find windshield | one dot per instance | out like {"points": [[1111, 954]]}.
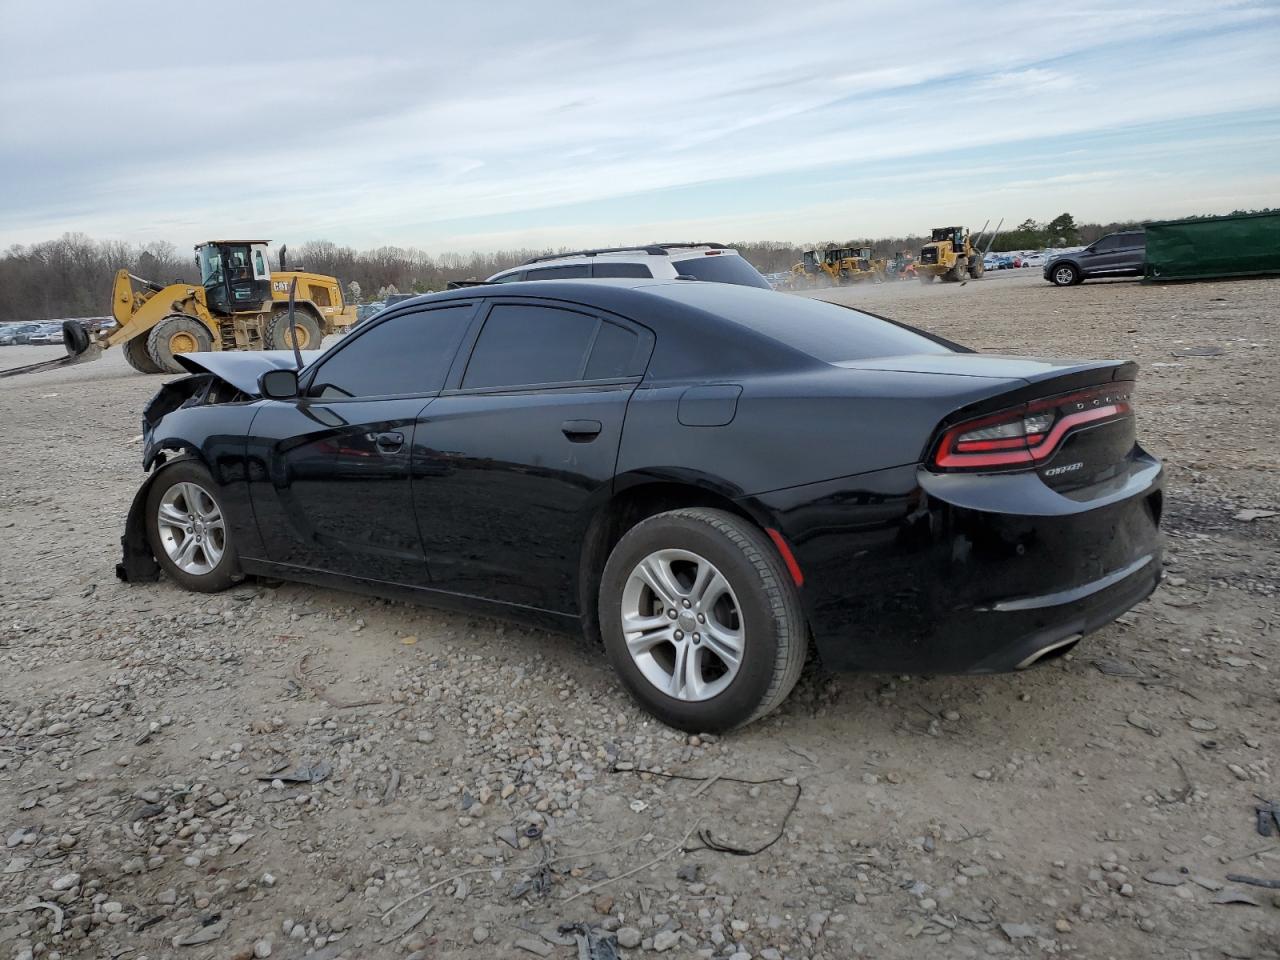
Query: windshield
{"points": [[210, 261], [722, 269]]}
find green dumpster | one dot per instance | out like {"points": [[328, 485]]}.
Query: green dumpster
{"points": [[1240, 245]]}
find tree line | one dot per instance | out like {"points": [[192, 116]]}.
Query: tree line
{"points": [[72, 275]]}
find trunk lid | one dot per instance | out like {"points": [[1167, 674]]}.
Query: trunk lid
{"points": [[1069, 421]]}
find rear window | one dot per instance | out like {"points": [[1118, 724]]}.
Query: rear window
{"points": [[825, 331], [720, 268]]}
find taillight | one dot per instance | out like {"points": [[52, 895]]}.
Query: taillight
{"points": [[1030, 432]]}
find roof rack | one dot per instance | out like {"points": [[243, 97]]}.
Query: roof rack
{"points": [[652, 250], [713, 246]]}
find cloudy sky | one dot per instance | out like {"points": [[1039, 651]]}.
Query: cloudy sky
{"points": [[480, 126]]}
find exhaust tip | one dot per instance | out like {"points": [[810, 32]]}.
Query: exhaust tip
{"points": [[1055, 649]]}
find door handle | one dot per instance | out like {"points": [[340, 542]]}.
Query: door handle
{"points": [[388, 442], [581, 431]]}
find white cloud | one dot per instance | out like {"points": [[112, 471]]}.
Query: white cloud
{"points": [[391, 123]]}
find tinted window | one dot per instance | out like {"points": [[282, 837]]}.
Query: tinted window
{"points": [[529, 344], [406, 354], [822, 330], [614, 353], [1130, 241], [1107, 244], [510, 277], [621, 270], [721, 269], [574, 271]]}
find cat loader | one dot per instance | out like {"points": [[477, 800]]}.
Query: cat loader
{"points": [[952, 254], [238, 304]]}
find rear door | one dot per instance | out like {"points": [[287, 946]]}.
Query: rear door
{"points": [[333, 492], [509, 464]]}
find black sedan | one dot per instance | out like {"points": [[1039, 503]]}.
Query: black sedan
{"points": [[703, 476]]}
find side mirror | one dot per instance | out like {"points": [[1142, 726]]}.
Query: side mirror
{"points": [[279, 384]]}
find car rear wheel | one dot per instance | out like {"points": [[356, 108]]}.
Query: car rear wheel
{"points": [[187, 529], [1064, 275], [176, 335], [701, 619]]}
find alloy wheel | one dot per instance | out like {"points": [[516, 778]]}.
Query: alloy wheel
{"points": [[1064, 275], [683, 625], [191, 528]]}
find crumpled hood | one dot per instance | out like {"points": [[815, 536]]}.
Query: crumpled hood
{"points": [[242, 369]]}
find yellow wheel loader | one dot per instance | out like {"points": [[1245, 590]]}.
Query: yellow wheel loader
{"points": [[239, 304], [953, 254], [807, 272]]}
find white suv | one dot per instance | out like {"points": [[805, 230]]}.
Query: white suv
{"points": [[663, 261]]}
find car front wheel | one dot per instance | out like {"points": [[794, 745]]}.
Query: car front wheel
{"points": [[1064, 275], [702, 620], [188, 531]]}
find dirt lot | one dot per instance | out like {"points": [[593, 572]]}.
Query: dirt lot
{"points": [[152, 741]]}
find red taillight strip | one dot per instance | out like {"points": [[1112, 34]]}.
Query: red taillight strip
{"points": [[1024, 454], [793, 568]]}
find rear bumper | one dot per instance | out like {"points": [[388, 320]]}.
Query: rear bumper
{"points": [[910, 572]]}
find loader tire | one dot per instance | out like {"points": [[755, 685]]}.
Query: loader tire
{"points": [[959, 271], [135, 354], [175, 335], [977, 269], [277, 335]]}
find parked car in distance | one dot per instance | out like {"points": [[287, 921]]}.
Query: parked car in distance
{"points": [[20, 333], [47, 334], [664, 261], [1034, 260], [702, 475], [1115, 255]]}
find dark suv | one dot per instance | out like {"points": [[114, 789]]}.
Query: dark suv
{"points": [[1115, 255]]}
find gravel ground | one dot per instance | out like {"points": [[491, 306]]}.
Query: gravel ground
{"points": [[286, 771]]}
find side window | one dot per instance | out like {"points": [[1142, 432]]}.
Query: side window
{"points": [[613, 355], [514, 277], [574, 271], [1107, 244], [621, 270], [527, 344], [407, 354]]}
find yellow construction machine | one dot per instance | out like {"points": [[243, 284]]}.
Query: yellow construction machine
{"points": [[840, 265], [953, 254], [239, 304]]}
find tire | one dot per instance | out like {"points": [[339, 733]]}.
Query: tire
{"points": [[135, 354], [756, 615], [175, 335], [1064, 275], [958, 272], [977, 269], [277, 335], [186, 489]]}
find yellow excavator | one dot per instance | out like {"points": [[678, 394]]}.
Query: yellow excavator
{"points": [[239, 304]]}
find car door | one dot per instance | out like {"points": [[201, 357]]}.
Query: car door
{"points": [[1102, 258], [333, 490], [510, 463], [1132, 254]]}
